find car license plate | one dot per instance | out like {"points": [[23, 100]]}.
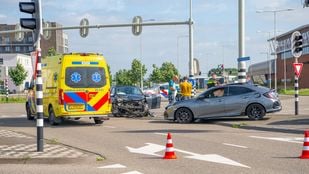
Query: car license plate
{"points": [[76, 107]]}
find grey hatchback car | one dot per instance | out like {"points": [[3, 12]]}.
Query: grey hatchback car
{"points": [[225, 101]]}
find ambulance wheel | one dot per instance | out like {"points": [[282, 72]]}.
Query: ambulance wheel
{"points": [[97, 120], [53, 120]]}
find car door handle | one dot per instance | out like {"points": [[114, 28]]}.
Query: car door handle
{"points": [[245, 97]]}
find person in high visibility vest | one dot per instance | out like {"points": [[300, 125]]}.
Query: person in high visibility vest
{"points": [[185, 88], [212, 81]]}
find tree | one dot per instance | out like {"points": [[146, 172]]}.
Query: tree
{"points": [[219, 71], [123, 77], [164, 73], [136, 71], [155, 76], [51, 52], [110, 74], [18, 74]]}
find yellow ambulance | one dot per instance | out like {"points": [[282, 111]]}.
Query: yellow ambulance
{"points": [[75, 86]]}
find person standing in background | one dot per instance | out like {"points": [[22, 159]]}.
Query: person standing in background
{"points": [[172, 89], [185, 88], [212, 81]]}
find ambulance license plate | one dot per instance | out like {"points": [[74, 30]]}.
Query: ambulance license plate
{"points": [[76, 107]]}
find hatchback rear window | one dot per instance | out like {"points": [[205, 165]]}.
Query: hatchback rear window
{"points": [[85, 77]]}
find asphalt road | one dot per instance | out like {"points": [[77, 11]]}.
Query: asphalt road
{"points": [[202, 147]]}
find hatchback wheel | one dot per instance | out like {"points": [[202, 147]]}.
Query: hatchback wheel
{"points": [[184, 115], [255, 112]]}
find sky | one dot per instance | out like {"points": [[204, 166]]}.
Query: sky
{"points": [[215, 29]]}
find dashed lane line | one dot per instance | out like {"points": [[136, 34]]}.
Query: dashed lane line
{"points": [[113, 166], [234, 145], [133, 172]]}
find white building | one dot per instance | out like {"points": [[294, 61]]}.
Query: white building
{"points": [[8, 61]]}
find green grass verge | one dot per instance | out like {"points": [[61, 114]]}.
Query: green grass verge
{"points": [[302, 92], [13, 100]]}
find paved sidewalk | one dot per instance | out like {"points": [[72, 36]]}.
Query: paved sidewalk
{"points": [[17, 147]]}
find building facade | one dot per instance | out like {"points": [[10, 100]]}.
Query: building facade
{"points": [[57, 41], [285, 60], [263, 72], [8, 61]]}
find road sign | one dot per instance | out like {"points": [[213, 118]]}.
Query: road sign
{"points": [[19, 36], [47, 33], [243, 59], [296, 44], [137, 28], [85, 30], [298, 68]]}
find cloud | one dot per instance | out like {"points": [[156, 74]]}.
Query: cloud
{"points": [[2, 16], [268, 5]]}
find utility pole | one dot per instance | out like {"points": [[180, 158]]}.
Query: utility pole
{"points": [[190, 42], [241, 41]]}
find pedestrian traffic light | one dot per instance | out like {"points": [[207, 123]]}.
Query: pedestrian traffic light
{"points": [[33, 23], [297, 44]]}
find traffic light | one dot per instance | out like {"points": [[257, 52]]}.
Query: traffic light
{"points": [[35, 22], [297, 44], [306, 3]]}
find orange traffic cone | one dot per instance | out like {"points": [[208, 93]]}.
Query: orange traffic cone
{"points": [[169, 151], [305, 154]]}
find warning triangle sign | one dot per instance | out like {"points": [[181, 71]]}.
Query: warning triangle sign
{"points": [[298, 68]]}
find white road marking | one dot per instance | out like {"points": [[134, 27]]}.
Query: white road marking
{"points": [[133, 172], [114, 166], [234, 145], [290, 140], [12, 116], [149, 149], [217, 159], [158, 133], [111, 127], [152, 149]]}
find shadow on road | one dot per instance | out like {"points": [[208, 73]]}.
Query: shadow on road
{"points": [[23, 122], [182, 131], [291, 122]]}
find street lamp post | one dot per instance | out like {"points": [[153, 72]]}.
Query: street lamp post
{"points": [[179, 37], [141, 54], [275, 36], [269, 67], [268, 52]]}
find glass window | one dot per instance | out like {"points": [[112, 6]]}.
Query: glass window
{"points": [[17, 49], [7, 40], [85, 77], [218, 92], [7, 49], [1, 61], [31, 48], [30, 39], [129, 90], [238, 90]]}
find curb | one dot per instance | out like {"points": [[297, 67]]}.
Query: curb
{"points": [[262, 128]]}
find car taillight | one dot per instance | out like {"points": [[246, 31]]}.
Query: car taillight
{"points": [[270, 94], [61, 97]]}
